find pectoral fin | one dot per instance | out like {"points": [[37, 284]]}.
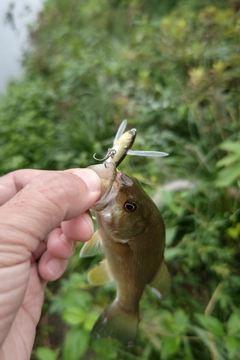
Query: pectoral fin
{"points": [[93, 246], [161, 282], [100, 274]]}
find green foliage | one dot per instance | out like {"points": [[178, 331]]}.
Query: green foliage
{"points": [[42, 353], [75, 344], [231, 163], [173, 71]]}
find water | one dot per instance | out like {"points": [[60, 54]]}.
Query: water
{"points": [[14, 18]]}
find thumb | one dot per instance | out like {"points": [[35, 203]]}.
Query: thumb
{"points": [[41, 206]]}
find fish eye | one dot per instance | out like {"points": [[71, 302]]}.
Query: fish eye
{"points": [[130, 206]]}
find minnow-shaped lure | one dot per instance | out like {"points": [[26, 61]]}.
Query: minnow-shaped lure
{"points": [[122, 144]]}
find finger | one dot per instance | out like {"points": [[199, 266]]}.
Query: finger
{"points": [[59, 245], [13, 182], [42, 205], [51, 268], [40, 250], [78, 229]]}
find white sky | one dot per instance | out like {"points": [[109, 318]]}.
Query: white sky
{"points": [[13, 41]]}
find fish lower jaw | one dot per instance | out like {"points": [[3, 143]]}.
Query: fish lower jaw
{"points": [[122, 241]]}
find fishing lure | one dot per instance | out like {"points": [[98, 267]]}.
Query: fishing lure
{"points": [[122, 144]]}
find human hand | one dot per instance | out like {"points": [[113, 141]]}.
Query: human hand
{"points": [[42, 215]]}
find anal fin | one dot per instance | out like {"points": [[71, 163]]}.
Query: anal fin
{"points": [[161, 282]]}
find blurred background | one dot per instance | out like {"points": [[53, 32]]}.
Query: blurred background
{"points": [[14, 18], [173, 70]]}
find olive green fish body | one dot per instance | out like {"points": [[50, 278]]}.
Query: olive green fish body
{"points": [[132, 234], [130, 244]]}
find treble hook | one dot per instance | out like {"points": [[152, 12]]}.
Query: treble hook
{"points": [[111, 152]]}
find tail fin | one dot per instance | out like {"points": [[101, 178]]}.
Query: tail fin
{"points": [[117, 323]]}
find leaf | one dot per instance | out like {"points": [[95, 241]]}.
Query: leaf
{"points": [[228, 160], [170, 235], [74, 316], [181, 321], [234, 232], [169, 346], [171, 253], [75, 344], [233, 347], [228, 175], [233, 324], [44, 353], [211, 324], [231, 146]]}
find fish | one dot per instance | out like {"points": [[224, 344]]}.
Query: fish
{"points": [[131, 234]]}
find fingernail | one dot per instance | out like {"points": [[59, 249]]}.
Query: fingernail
{"points": [[90, 178], [54, 266], [89, 221], [70, 243]]}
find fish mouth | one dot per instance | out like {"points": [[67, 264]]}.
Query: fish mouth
{"points": [[101, 170], [112, 193], [107, 195], [105, 173]]}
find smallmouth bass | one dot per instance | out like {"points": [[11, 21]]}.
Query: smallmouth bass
{"points": [[131, 232]]}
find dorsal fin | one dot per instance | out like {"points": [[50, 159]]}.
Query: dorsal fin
{"points": [[93, 246]]}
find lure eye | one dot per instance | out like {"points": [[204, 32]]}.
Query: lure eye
{"points": [[130, 206]]}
